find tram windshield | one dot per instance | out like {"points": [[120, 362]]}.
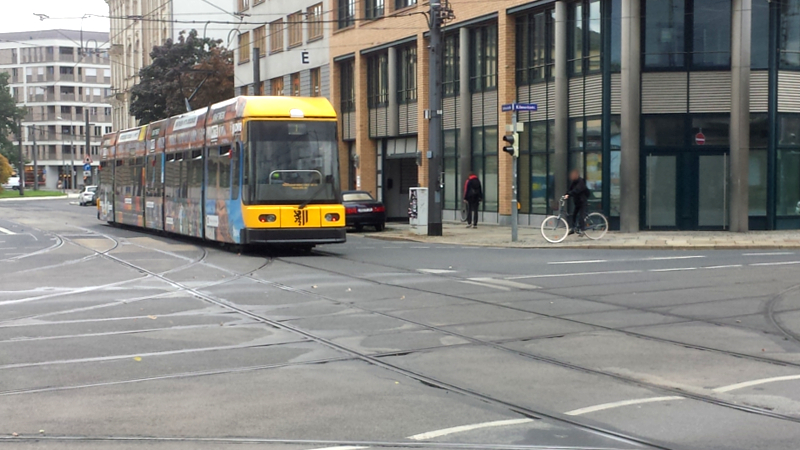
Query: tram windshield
{"points": [[294, 162]]}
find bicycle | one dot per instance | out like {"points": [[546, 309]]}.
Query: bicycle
{"points": [[556, 228]]}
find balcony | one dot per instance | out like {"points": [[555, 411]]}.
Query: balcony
{"points": [[66, 77], [67, 97], [66, 58]]}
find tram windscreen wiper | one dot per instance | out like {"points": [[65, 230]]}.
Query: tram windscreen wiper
{"points": [[313, 196]]}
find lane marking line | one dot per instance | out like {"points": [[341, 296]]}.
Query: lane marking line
{"points": [[463, 428], [668, 258], [675, 269], [557, 275], [591, 261], [493, 286], [6, 231], [744, 384], [436, 271], [768, 254], [605, 406], [343, 447], [783, 263], [505, 283], [730, 266]]}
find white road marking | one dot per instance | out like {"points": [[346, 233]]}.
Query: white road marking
{"points": [[6, 231], [768, 254], [591, 261], [557, 275], [676, 269], [505, 283], [784, 263], [436, 271], [493, 286], [463, 428], [419, 247], [733, 387], [731, 266], [343, 447], [612, 405], [668, 258]]}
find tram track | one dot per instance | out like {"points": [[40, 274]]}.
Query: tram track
{"points": [[379, 362]]}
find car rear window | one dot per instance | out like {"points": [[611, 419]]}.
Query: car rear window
{"points": [[357, 197]]}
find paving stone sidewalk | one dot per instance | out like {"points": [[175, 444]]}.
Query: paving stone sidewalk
{"points": [[497, 236]]}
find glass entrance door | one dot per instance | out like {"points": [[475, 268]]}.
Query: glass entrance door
{"points": [[686, 191]]}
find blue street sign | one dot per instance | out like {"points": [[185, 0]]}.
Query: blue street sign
{"points": [[87, 167], [531, 107]]}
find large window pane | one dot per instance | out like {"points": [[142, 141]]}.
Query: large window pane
{"points": [[790, 34], [789, 130], [595, 41], [490, 183], [759, 51], [576, 38], [616, 189], [452, 190], [594, 178], [539, 184], [664, 131], [616, 35], [788, 183], [525, 183], [576, 133], [757, 182], [594, 134], [491, 144], [664, 32], [712, 33], [716, 129]]}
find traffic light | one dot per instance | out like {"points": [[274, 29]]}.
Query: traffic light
{"points": [[513, 144]]}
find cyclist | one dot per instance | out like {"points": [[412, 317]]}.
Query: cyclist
{"points": [[580, 197]]}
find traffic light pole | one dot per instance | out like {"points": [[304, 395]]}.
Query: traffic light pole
{"points": [[434, 116], [514, 194]]}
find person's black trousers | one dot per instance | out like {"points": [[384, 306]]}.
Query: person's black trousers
{"points": [[472, 214], [579, 217]]}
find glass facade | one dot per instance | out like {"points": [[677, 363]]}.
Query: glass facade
{"points": [[483, 56], [484, 164], [789, 40]]}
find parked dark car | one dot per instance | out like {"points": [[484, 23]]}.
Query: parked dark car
{"points": [[361, 210]]}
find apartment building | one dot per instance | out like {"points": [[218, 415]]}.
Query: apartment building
{"points": [[139, 25], [58, 80], [293, 40], [680, 114]]}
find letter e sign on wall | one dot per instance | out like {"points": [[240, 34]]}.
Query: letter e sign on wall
{"points": [[305, 57]]}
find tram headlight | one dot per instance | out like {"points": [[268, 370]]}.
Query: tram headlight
{"points": [[267, 218], [332, 217]]}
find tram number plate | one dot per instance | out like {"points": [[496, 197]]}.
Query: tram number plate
{"points": [[364, 210]]}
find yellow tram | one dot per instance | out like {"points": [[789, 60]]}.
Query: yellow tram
{"points": [[250, 170]]}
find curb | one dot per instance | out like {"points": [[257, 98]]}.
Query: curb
{"points": [[19, 199]]}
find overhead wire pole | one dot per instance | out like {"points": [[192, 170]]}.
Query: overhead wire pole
{"points": [[434, 116], [21, 162]]}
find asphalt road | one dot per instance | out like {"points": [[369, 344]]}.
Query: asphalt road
{"points": [[114, 338]]}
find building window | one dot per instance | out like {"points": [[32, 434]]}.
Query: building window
{"points": [[663, 33], [407, 84], [295, 29], [378, 80], [316, 82], [295, 80], [276, 86], [707, 24], [244, 47], [452, 74], [616, 35], [347, 85], [400, 4], [374, 9], [759, 42], [535, 47], [485, 164], [585, 38], [276, 36], [790, 34], [537, 145], [788, 176], [260, 39], [243, 5], [315, 29], [346, 13], [483, 64]]}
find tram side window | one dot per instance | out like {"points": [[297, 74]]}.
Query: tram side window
{"points": [[212, 182], [235, 173], [224, 162], [138, 171]]}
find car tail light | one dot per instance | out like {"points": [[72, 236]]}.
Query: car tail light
{"points": [[350, 210], [379, 209], [332, 217], [267, 218]]}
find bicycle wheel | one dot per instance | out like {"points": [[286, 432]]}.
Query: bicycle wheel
{"points": [[555, 229], [464, 210], [596, 226]]}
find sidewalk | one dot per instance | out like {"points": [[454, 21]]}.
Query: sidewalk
{"points": [[497, 236]]}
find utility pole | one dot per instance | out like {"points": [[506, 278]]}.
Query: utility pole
{"points": [[21, 170], [32, 130], [87, 149], [434, 115], [257, 71]]}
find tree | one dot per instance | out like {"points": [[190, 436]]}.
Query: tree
{"points": [[10, 116], [5, 171], [178, 69]]}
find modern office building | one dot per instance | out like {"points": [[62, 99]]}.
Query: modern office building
{"points": [[293, 41], [680, 114], [59, 75], [138, 26]]}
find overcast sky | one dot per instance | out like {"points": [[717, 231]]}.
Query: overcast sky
{"points": [[18, 15]]}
